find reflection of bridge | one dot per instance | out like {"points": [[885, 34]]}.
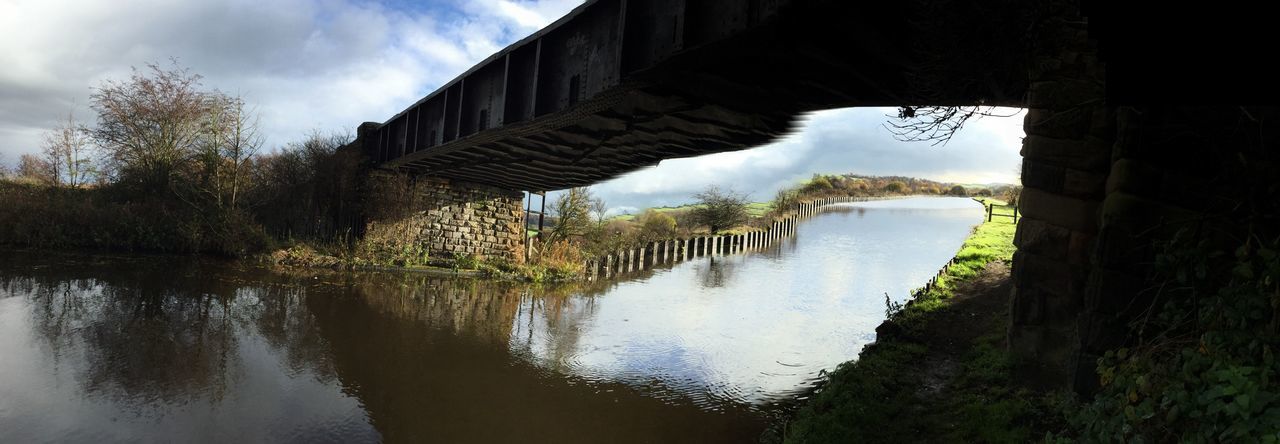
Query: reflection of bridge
{"points": [[617, 85]]}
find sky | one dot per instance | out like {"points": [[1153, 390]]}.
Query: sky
{"points": [[329, 65]]}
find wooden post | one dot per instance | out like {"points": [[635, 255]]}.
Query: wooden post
{"points": [[990, 208], [1015, 214]]}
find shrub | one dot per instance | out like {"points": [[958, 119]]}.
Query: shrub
{"points": [[656, 226], [562, 261], [1204, 366], [785, 200], [818, 184]]}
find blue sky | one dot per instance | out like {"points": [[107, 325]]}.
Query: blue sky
{"points": [[332, 64]]}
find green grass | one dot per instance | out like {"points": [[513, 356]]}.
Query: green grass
{"points": [[876, 398], [990, 241], [758, 209]]}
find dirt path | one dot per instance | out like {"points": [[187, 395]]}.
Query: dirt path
{"points": [[978, 309]]}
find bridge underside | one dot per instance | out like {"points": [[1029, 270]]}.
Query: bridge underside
{"points": [[620, 85]]}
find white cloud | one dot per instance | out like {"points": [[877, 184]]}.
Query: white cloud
{"points": [[305, 64]]}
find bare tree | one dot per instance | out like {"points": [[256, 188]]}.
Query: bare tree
{"points": [[32, 167], [935, 124], [241, 143], [600, 209], [66, 151], [228, 141], [151, 124], [573, 214], [720, 209]]}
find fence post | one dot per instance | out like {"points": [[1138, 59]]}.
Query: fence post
{"points": [[990, 207], [1015, 214]]}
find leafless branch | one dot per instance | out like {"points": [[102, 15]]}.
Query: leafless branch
{"points": [[935, 124]]}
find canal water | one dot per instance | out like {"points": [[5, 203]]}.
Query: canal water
{"points": [[128, 348]]}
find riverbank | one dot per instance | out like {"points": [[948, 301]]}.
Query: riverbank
{"points": [[938, 371]]}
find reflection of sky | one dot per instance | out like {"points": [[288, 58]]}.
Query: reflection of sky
{"points": [[775, 320]]}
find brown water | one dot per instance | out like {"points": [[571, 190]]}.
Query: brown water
{"points": [[126, 348]]}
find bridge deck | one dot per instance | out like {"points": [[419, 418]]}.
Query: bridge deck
{"points": [[618, 85]]}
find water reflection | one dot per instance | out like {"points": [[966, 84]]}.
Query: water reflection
{"points": [[162, 349], [151, 349]]}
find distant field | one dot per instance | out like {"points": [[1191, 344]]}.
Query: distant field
{"points": [[755, 209]]}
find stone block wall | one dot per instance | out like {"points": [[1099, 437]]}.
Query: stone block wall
{"points": [[1066, 162], [1104, 186], [442, 217]]}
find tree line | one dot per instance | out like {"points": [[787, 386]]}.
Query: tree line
{"points": [[187, 163]]}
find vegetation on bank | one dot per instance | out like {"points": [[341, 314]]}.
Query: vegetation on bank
{"points": [[578, 217], [990, 241], [891, 392], [1198, 363], [169, 166]]}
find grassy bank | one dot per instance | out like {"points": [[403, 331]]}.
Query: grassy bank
{"points": [[938, 371]]}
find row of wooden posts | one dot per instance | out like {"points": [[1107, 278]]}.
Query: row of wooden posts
{"points": [[678, 250], [933, 282]]}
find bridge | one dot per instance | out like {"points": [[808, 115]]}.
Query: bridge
{"points": [[617, 85]]}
